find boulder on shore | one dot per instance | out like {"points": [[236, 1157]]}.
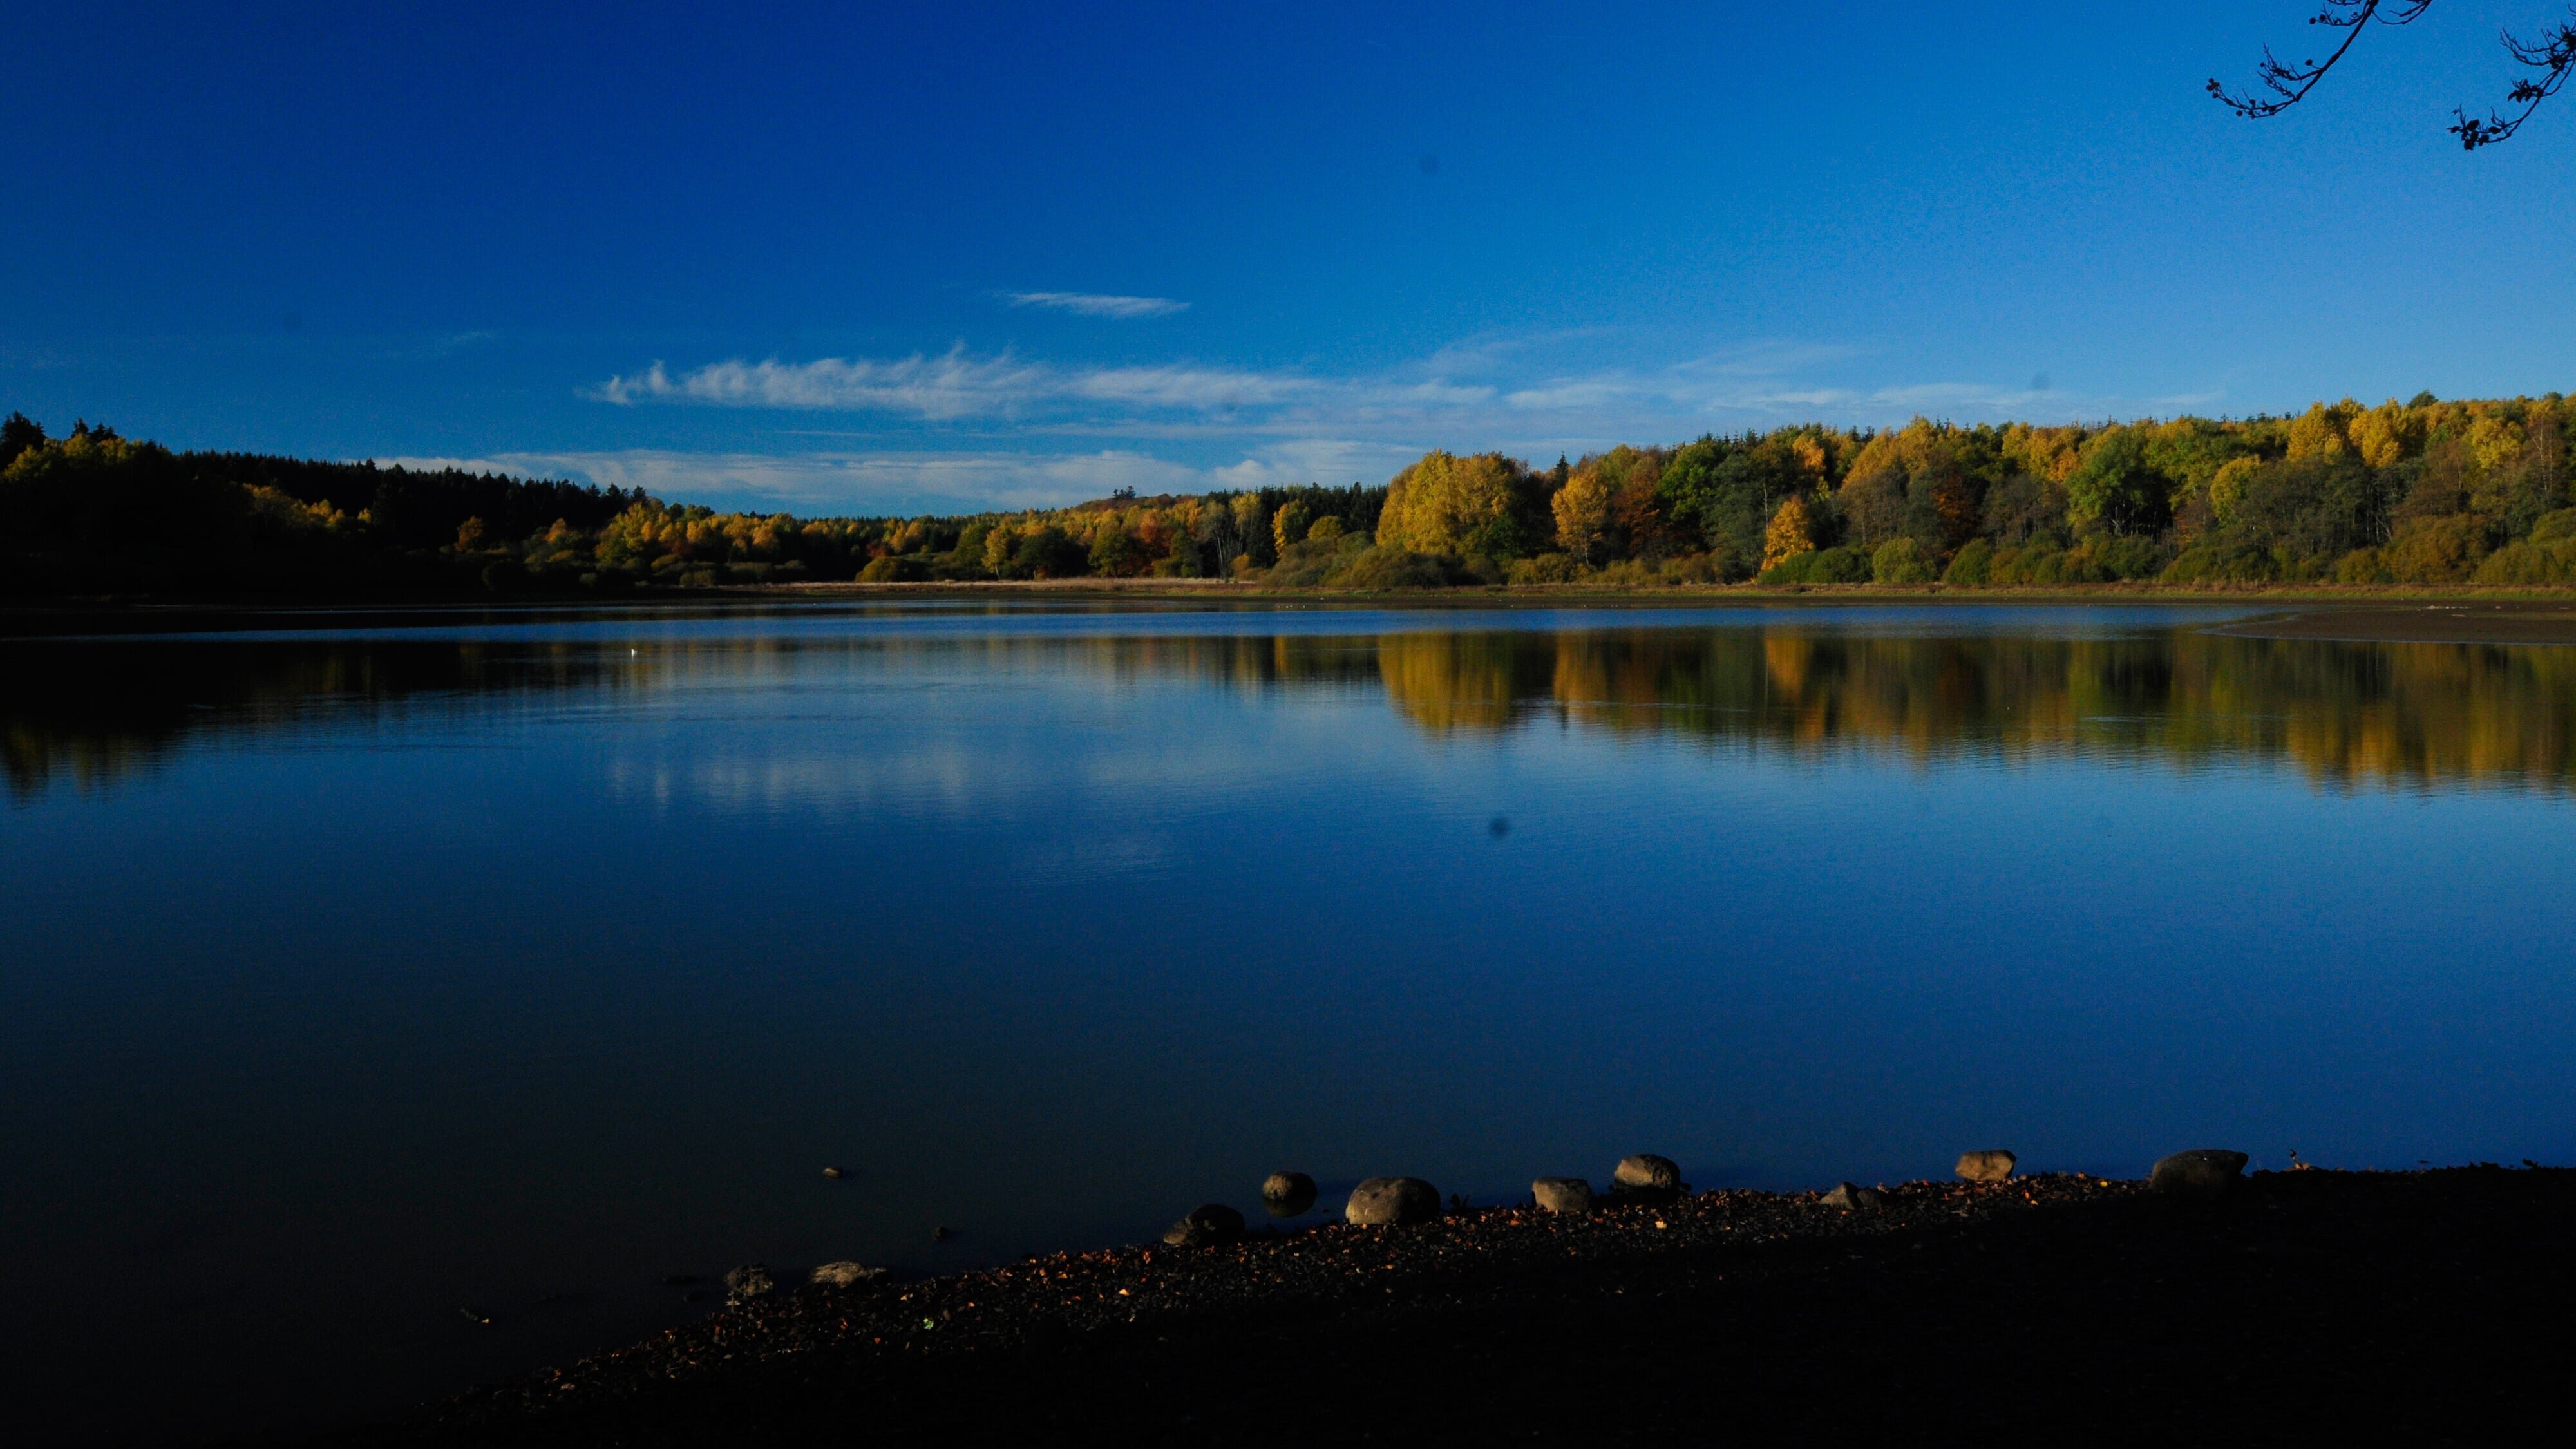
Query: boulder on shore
{"points": [[1646, 1173], [1563, 1194], [1992, 1165], [1287, 1194], [1208, 1224], [2201, 1172], [1384, 1200], [1851, 1197], [749, 1281], [845, 1275]]}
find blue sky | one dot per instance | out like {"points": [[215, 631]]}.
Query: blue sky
{"points": [[880, 259]]}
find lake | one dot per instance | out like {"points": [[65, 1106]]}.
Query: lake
{"points": [[367, 978]]}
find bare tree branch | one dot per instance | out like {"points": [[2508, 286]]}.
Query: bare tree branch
{"points": [[2290, 84], [2551, 59]]}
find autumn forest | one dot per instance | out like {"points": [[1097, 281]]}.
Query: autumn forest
{"points": [[2425, 492]]}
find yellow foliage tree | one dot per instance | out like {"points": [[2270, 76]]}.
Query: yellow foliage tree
{"points": [[1288, 525], [1810, 453], [999, 545], [2386, 433], [2322, 433], [1582, 509], [1246, 508], [1442, 501], [2228, 487], [2046, 453], [1907, 450], [1792, 532], [2495, 441]]}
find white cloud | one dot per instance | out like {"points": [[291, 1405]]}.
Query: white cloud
{"points": [[1045, 432], [904, 483], [1185, 387], [948, 386], [954, 384], [1094, 304]]}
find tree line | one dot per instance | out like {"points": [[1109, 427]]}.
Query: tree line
{"points": [[2419, 492], [94, 512]]}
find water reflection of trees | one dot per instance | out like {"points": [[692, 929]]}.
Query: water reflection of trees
{"points": [[91, 712], [2420, 713], [2423, 713]]}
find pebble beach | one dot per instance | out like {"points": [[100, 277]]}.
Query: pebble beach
{"points": [[1930, 1308]]}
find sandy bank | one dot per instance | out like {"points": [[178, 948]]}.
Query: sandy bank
{"points": [[2463, 622]]}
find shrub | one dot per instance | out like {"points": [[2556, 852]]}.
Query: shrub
{"points": [[1820, 566], [1547, 568], [1388, 568], [1790, 570], [1969, 566], [1697, 568], [2555, 526], [2222, 563], [1900, 561], [1841, 566], [2553, 562], [894, 570], [2126, 556], [1297, 572], [2363, 566], [1628, 573], [2436, 550], [2019, 565], [2055, 566]]}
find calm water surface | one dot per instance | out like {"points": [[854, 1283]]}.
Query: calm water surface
{"points": [[354, 977]]}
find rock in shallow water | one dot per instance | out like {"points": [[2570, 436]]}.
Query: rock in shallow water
{"points": [[1383, 1200], [845, 1275], [1991, 1165], [1563, 1194], [1851, 1197], [1287, 1194], [2201, 1172], [1646, 1173], [749, 1281], [1207, 1225]]}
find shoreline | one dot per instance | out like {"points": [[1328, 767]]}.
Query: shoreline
{"points": [[2359, 614], [1505, 1321]]}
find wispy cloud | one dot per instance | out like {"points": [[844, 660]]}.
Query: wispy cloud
{"points": [[1095, 304], [909, 482], [1050, 432], [954, 384], [951, 385]]}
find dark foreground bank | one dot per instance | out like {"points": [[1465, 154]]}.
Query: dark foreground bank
{"points": [[2430, 1306]]}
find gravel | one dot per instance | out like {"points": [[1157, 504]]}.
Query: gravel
{"points": [[2391, 1301]]}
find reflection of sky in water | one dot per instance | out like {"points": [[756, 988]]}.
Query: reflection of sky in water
{"points": [[419, 977]]}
